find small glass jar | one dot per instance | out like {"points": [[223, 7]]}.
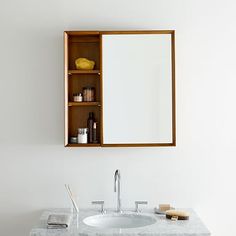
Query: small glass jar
{"points": [[73, 139], [89, 94], [83, 135], [77, 97]]}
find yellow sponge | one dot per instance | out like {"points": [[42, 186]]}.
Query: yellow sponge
{"points": [[84, 64]]}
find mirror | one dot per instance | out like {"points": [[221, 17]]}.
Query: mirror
{"points": [[138, 89]]}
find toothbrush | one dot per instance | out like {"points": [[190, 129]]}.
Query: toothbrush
{"points": [[71, 197]]}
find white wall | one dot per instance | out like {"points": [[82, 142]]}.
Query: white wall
{"points": [[198, 173]]}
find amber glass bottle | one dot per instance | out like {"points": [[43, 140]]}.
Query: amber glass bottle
{"points": [[90, 123]]}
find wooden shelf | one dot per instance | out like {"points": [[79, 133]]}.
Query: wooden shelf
{"points": [[75, 72], [70, 104], [83, 145]]}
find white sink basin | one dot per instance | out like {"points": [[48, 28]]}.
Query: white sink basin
{"points": [[119, 220]]}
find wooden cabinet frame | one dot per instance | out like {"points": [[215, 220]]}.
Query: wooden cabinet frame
{"points": [[92, 42]]}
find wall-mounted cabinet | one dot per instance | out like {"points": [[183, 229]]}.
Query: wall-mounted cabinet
{"points": [[134, 83]]}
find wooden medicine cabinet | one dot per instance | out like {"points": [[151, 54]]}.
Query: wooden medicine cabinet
{"points": [[134, 83]]}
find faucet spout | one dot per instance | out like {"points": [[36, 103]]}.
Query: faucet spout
{"points": [[117, 189]]}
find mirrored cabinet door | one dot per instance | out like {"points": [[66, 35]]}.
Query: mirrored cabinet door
{"points": [[138, 76]]}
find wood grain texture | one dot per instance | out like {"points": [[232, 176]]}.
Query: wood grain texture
{"points": [[173, 89], [78, 116], [138, 145], [70, 104], [66, 88], [75, 72], [101, 92], [81, 44], [83, 50], [82, 32], [139, 32], [78, 82], [83, 145]]}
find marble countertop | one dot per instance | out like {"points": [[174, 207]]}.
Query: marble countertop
{"points": [[162, 227]]}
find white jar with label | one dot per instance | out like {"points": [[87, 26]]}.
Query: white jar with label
{"points": [[83, 135]]}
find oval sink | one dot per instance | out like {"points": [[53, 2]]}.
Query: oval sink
{"points": [[119, 220]]}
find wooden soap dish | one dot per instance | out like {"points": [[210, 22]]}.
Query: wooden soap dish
{"points": [[177, 215]]}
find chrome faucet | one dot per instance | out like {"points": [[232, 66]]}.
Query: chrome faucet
{"points": [[117, 189]]}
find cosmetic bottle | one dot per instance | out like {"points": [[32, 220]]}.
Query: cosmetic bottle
{"points": [[80, 97], [82, 135], [90, 123], [95, 132]]}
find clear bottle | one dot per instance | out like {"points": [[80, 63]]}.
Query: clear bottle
{"points": [[80, 97], [95, 132]]}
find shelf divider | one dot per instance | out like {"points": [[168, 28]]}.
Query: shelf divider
{"points": [[76, 72], [71, 104], [83, 145]]}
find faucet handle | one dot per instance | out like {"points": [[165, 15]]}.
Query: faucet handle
{"points": [[139, 202], [100, 203]]}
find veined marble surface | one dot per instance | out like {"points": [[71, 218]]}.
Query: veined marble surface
{"points": [[162, 227]]}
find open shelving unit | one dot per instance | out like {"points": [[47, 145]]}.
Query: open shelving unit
{"points": [[82, 44]]}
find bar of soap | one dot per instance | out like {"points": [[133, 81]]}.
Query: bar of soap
{"points": [[177, 215], [164, 207]]}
